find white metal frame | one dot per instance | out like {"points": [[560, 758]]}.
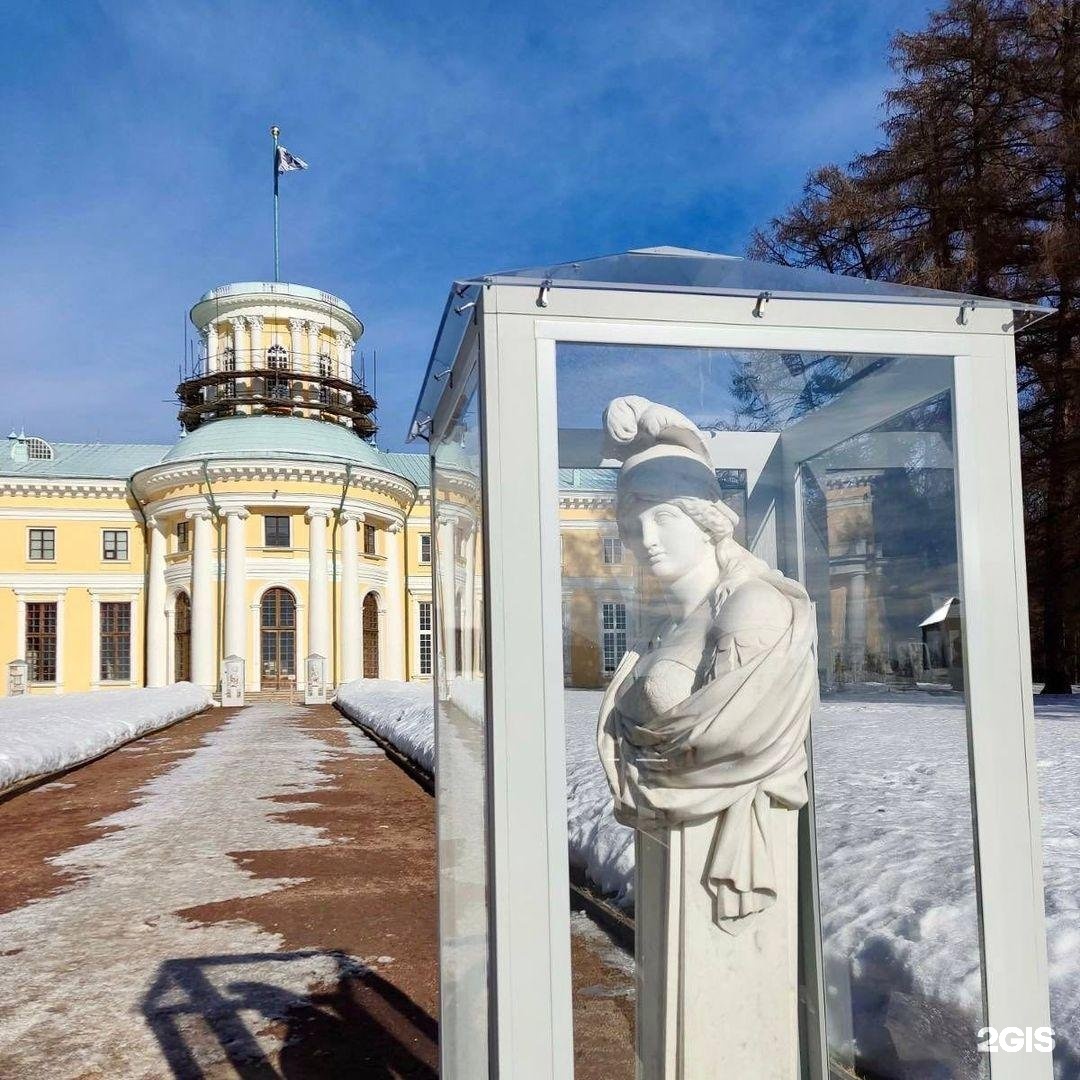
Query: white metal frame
{"points": [[527, 856]]}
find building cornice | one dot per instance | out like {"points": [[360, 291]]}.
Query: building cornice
{"points": [[62, 487], [158, 478]]}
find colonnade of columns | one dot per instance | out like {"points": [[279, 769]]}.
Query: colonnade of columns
{"points": [[203, 593], [245, 332]]}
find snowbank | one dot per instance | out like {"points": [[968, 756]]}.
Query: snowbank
{"points": [[43, 735], [401, 713], [896, 870]]}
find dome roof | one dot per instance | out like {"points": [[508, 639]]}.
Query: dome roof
{"points": [[277, 437]]}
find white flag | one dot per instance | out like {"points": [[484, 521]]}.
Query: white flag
{"points": [[287, 162]]}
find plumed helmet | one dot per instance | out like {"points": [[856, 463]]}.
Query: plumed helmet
{"points": [[664, 456]]}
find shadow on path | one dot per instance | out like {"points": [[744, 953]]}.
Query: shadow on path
{"points": [[360, 1024]]}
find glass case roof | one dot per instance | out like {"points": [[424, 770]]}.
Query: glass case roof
{"points": [[672, 269], [675, 269]]}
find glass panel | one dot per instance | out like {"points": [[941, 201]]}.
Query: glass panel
{"points": [[461, 740], [839, 470]]}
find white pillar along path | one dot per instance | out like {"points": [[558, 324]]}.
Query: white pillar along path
{"points": [[202, 602]]}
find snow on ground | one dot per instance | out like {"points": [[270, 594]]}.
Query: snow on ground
{"points": [[155, 993], [400, 712], [42, 735], [896, 875]]}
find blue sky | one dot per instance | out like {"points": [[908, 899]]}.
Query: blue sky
{"points": [[444, 141]]}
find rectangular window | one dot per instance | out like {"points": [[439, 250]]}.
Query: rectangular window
{"points": [[114, 545], [614, 630], [115, 650], [181, 536], [425, 548], [41, 642], [612, 551], [277, 531], [369, 539], [425, 637], [42, 545]]}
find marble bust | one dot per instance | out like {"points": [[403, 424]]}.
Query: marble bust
{"points": [[702, 736]]}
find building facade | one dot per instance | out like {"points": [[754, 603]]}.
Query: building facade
{"points": [[272, 530]]}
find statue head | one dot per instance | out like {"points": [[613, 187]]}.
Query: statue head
{"points": [[667, 499]]}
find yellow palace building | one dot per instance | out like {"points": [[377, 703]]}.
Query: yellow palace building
{"points": [[275, 549], [272, 530]]}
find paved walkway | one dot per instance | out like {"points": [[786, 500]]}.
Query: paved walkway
{"points": [[228, 897], [249, 893]]}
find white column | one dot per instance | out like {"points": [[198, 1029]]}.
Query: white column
{"points": [[211, 347], [352, 644], [59, 689], [342, 339], [157, 638], [313, 346], [395, 604], [318, 592], [202, 602], [95, 639], [296, 348], [241, 357], [447, 557], [235, 582], [255, 323]]}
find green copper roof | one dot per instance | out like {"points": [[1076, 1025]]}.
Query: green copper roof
{"points": [[83, 461], [276, 436]]}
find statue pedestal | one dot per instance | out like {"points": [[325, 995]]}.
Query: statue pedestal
{"points": [[714, 1005]]}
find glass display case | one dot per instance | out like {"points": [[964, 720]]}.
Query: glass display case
{"points": [[734, 723]]}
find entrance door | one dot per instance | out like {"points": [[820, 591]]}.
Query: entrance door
{"points": [[182, 639], [278, 642], [371, 637]]}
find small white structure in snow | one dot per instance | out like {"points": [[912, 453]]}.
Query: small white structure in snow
{"points": [[17, 684], [232, 682], [315, 672]]}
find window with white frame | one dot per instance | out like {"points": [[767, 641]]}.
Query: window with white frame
{"points": [[613, 630], [425, 548], [425, 642], [42, 547], [114, 545], [41, 632], [181, 536], [115, 648], [613, 551], [276, 531]]}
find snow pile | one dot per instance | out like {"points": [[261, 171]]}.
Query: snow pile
{"points": [[896, 872], [43, 735], [401, 713]]}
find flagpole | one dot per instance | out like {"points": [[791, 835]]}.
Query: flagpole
{"points": [[276, 131]]}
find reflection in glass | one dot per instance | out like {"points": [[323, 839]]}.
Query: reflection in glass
{"points": [[461, 740], [841, 470]]}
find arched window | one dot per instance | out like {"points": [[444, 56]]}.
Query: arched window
{"points": [[371, 636], [182, 638], [38, 449], [326, 369], [277, 645], [277, 386]]}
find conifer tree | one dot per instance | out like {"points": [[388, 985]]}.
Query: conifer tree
{"points": [[976, 188]]}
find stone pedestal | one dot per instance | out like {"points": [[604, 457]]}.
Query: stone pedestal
{"points": [[18, 681], [315, 692], [232, 682], [714, 1005]]}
